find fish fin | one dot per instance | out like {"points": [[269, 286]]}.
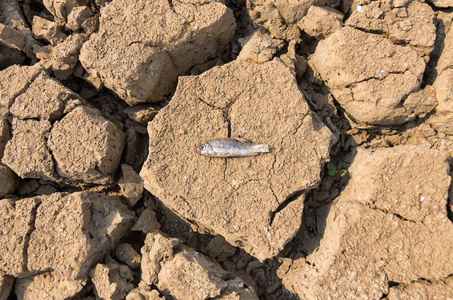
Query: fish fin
{"points": [[242, 140], [262, 148]]}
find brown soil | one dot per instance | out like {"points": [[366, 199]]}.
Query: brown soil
{"points": [[104, 196]]}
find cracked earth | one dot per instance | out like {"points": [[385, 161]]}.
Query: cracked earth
{"points": [[104, 196]]}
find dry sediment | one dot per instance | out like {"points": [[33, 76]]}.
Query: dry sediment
{"points": [[103, 194]]}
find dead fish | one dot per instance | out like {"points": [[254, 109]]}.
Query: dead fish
{"points": [[232, 147]]}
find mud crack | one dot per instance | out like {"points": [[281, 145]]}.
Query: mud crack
{"points": [[285, 203], [209, 104], [172, 7], [374, 207], [31, 228], [23, 90], [52, 157], [225, 112], [384, 34], [226, 118], [355, 83]]}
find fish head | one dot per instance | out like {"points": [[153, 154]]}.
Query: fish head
{"points": [[205, 149]]}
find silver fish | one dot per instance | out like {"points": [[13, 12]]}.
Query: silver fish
{"points": [[232, 147]]}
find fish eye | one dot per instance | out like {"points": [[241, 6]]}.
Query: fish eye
{"points": [[202, 147]]}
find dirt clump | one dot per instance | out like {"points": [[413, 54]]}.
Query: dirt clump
{"points": [[56, 233], [238, 100], [147, 222], [15, 32], [47, 30], [142, 113], [47, 286], [360, 68], [44, 143], [179, 271], [14, 81], [259, 47], [44, 99], [141, 293], [112, 280], [140, 58], [219, 248], [374, 224], [11, 37], [61, 9], [62, 58], [82, 18], [126, 253], [279, 17], [131, 184], [17, 219], [105, 218], [27, 153], [85, 157], [403, 22], [320, 22]]}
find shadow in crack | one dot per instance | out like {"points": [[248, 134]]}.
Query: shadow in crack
{"points": [[317, 207], [316, 210], [450, 196], [430, 74], [334, 178]]}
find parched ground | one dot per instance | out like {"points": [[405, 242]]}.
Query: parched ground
{"points": [[104, 196]]}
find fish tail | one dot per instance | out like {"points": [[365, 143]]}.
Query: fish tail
{"points": [[262, 148]]}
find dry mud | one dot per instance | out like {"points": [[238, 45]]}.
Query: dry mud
{"points": [[104, 196]]}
